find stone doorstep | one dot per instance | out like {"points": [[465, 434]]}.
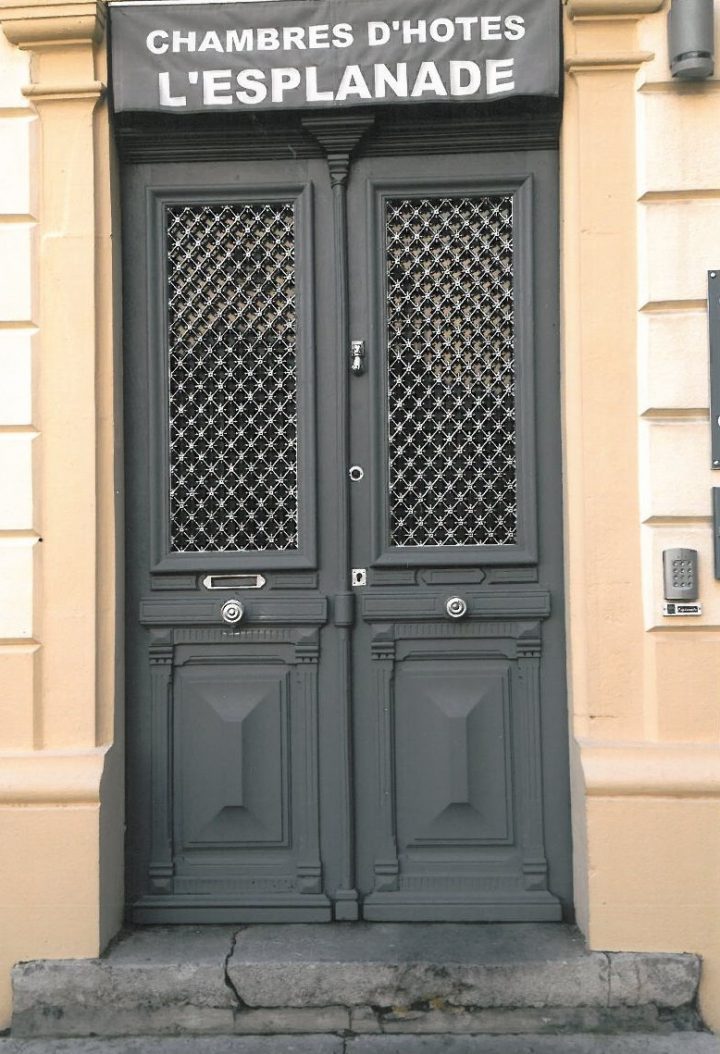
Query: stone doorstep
{"points": [[676, 1043], [355, 978]]}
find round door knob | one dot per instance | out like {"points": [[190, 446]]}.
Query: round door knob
{"points": [[456, 607], [232, 611]]}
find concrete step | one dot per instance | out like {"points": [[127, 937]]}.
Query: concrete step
{"points": [[356, 979], [677, 1043]]}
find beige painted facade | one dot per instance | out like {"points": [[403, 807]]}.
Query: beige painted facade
{"points": [[640, 169]]}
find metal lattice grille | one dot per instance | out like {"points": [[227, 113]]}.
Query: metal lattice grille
{"points": [[233, 384], [451, 380]]}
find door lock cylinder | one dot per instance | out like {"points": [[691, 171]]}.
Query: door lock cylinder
{"points": [[456, 607], [232, 611]]}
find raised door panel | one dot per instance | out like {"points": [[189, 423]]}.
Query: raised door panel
{"points": [[452, 744], [235, 782], [459, 817], [231, 748]]}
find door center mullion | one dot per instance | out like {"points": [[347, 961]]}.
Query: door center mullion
{"points": [[338, 136]]}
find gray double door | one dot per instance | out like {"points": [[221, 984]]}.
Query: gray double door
{"points": [[344, 593]]}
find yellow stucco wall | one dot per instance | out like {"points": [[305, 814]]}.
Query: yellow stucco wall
{"points": [[640, 225], [641, 220], [60, 883]]}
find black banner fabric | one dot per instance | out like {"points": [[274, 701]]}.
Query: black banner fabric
{"points": [[290, 54]]}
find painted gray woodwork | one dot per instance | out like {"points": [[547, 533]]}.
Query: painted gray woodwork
{"points": [[345, 752]]}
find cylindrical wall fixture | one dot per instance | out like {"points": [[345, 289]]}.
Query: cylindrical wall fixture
{"points": [[691, 39]]}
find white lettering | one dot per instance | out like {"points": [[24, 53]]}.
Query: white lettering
{"points": [[428, 79], [466, 22], [293, 37], [465, 77], [313, 85], [409, 31], [378, 33], [268, 39], [499, 75], [490, 27], [442, 29], [352, 82], [514, 27], [342, 35], [255, 90], [396, 82], [166, 99], [242, 41], [283, 79], [318, 36], [312, 92], [188, 41], [215, 81], [157, 48], [210, 42]]}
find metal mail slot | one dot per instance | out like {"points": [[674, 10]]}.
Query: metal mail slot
{"points": [[233, 581]]}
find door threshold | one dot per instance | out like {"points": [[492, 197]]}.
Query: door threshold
{"points": [[359, 978]]}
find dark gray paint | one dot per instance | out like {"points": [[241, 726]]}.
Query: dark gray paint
{"points": [[359, 698], [304, 556], [135, 69], [713, 299], [378, 191]]}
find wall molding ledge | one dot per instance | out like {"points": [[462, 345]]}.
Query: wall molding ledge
{"points": [[52, 777], [611, 8], [60, 92], [624, 60], [38, 23], [655, 770]]}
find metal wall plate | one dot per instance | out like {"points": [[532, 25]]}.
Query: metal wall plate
{"points": [[674, 609]]}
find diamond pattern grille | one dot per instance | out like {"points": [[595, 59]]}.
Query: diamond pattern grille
{"points": [[233, 384], [451, 378]]}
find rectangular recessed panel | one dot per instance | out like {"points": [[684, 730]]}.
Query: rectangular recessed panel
{"points": [[453, 752], [451, 371], [231, 317], [230, 756]]}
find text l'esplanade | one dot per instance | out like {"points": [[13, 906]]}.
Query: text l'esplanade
{"points": [[253, 86]]}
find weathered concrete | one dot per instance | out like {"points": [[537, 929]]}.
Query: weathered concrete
{"points": [[391, 965], [660, 979], [158, 980], [508, 1020], [316, 1044], [360, 978], [678, 1043]]}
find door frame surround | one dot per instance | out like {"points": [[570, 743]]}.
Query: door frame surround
{"points": [[337, 142]]}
